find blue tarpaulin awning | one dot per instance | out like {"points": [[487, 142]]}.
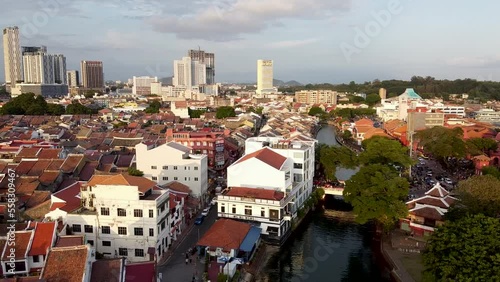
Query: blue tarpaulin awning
{"points": [[252, 237]]}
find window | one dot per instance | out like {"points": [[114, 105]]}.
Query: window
{"points": [[185, 178], [89, 228], [195, 168], [106, 243], [139, 252], [175, 167], [122, 230], [185, 168], [151, 232], [263, 212], [137, 213], [175, 177], [151, 213], [297, 165], [165, 178], [222, 209], [154, 178], [105, 230], [196, 179], [121, 212], [248, 210], [36, 258], [90, 242], [153, 167], [123, 252], [234, 209], [77, 228], [104, 211], [138, 231], [165, 167]]}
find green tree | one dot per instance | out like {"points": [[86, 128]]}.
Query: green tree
{"points": [[316, 111], [153, 108], [346, 134], [195, 113], [465, 250], [135, 172], [76, 108], [376, 193], [478, 146], [55, 109], [372, 99], [330, 157], [480, 194], [442, 142], [491, 170], [225, 112], [356, 99], [384, 151], [89, 94]]}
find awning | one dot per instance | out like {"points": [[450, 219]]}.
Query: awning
{"points": [[252, 237]]}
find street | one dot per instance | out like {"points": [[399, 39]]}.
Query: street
{"points": [[175, 268]]}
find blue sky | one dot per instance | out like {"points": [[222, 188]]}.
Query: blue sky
{"points": [[309, 40]]}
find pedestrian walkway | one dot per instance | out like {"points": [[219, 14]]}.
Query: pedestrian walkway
{"points": [[394, 257], [167, 255]]}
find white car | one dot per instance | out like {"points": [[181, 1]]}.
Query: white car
{"points": [[448, 181], [205, 211]]}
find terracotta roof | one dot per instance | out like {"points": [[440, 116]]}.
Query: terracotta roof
{"points": [[255, 193], [48, 177], [42, 241], [70, 241], [267, 156], [226, 234], [71, 163], [39, 167], [427, 212], [27, 186], [437, 191], [144, 184], [70, 196], [24, 167], [364, 122], [177, 187], [58, 268], [55, 164], [47, 153], [140, 272], [23, 239], [37, 198], [28, 152], [107, 270]]}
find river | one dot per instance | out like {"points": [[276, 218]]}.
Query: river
{"points": [[327, 248]]}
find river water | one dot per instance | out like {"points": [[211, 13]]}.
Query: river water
{"points": [[326, 247]]}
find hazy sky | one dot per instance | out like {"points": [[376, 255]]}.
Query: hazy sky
{"points": [[309, 40]]}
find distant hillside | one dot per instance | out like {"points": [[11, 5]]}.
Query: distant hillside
{"points": [[281, 83]]}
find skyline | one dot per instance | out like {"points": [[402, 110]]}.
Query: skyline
{"points": [[311, 42]]}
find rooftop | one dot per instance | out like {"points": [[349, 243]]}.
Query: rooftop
{"points": [[66, 264], [267, 156], [142, 183], [44, 233], [226, 234], [255, 193]]}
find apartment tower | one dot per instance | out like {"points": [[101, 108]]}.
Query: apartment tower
{"points": [[12, 57], [92, 74], [208, 59], [264, 76]]}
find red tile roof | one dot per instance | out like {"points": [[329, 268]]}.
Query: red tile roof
{"points": [[39, 167], [66, 264], [44, 234], [177, 187], [142, 183], [28, 152], [107, 270], [71, 163], [70, 241], [69, 196], [47, 153], [55, 164], [140, 272], [255, 193], [24, 167], [267, 156], [226, 234], [23, 239]]}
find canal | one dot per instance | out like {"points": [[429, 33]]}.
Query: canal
{"points": [[326, 247]]}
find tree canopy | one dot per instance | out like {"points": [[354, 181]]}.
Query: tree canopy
{"points": [[153, 108], [480, 194], [465, 250], [332, 157], [376, 192], [384, 151], [372, 99], [195, 113], [442, 142], [348, 113], [30, 104], [225, 112], [491, 170], [76, 108], [478, 146], [316, 111]]}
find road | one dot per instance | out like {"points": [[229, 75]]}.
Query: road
{"points": [[175, 269]]}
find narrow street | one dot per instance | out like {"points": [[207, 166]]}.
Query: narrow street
{"points": [[175, 268]]}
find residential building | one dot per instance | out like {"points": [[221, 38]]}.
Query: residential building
{"points": [[265, 77], [92, 74], [408, 100], [174, 162], [38, 66], [449, 109], [208, 59], [60, 69], [422, 118], [69, 264], [12, 57], [267, 188], [120, 215], [73, 78], [180, 109], [210, 143], [156, 88], [188, 72], [487, 115], [142, 84], [312, 97]]}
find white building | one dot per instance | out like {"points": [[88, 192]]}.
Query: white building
{"points": [[120, 215], [265, 77], [487, 115], [189, 73], [269, 184], [311, 97], [142, 84], [38, 67], [156, 88], [449, 109], [73, 78], [174, 162], [397, 107], [12, 57]]}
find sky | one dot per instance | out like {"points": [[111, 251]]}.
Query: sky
{"points": [[311, 41]]}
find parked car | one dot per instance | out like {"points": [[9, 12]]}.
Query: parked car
{"points": [[213, 202], [205, 211], [199, 220], [448, 181]]}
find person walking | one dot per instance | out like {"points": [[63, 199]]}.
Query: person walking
{"points": [[187, 261]]}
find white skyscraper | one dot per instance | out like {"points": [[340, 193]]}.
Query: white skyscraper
{"points": [[12, 56], [189, 73], [60, 69], [142, 84], [38, 66], [265, 77]]}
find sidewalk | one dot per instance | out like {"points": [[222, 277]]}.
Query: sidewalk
{"points": [[167, 255], [394, 259]]}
